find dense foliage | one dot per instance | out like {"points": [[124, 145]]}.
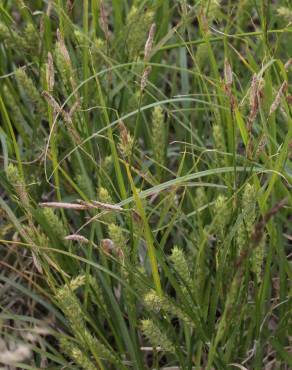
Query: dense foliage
{"points": [[145, 184]]}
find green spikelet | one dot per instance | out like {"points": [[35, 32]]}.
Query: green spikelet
{"points": [[71, 308], [106, 168], [219, 138], [257, 258], [4, 32], [222, 212], [180, 264], [104, 197], [30, 38], [202, 55], [249, 215], [212, 9], [77, 282], [200, 197], [138, 25], [285, 13], [219, 143], [83, 183], [98, 47], [97, 292], [156, 303], [30, 90], [156, 337], [55, 223], [16, 115], [18, 184], [116, 234], [76, 354], [158, 136], [63, 64]]}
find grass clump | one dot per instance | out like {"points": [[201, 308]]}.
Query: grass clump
{"points": [[145, 191]]}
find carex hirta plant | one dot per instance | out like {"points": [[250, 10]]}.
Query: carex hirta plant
{"points": [[145, 184]]}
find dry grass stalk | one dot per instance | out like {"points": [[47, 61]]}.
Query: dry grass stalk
{"points": [[81, 205]]}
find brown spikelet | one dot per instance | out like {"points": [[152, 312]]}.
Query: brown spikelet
{"points": [[69, 6], [107, 245], [255, 97], [49, 8], [228, 79], [50, 73], [288, 64], [149, 42], [124, 135], [51, 101], [63, 48], [261, 145], [278, 97], [77, 238], [228, 73], [144, 78], [103, 21]]}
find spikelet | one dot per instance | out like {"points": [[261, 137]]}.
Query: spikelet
{"points": [[156, 303], [285, 13], [18, 184], [257, 258], [212, 9], [138, 25], [97, 290], [222, 213], [16, 114], [77, 282], [149, 42], [105, 197], [158, 135], [71, 308], [249, 211], [219, 140], [95, 345], [76, 354], [54, 222], [4, 32], [278, 97], [116, 234], [202, 55], [30, 38], [80, 37], [200, 197], [63, 61], [180, 264], [50, 73], [126, 141], [98, 46], [30, 90], [156, 337]]}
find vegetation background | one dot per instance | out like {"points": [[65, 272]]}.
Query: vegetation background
{"points": [[145, 184]]}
